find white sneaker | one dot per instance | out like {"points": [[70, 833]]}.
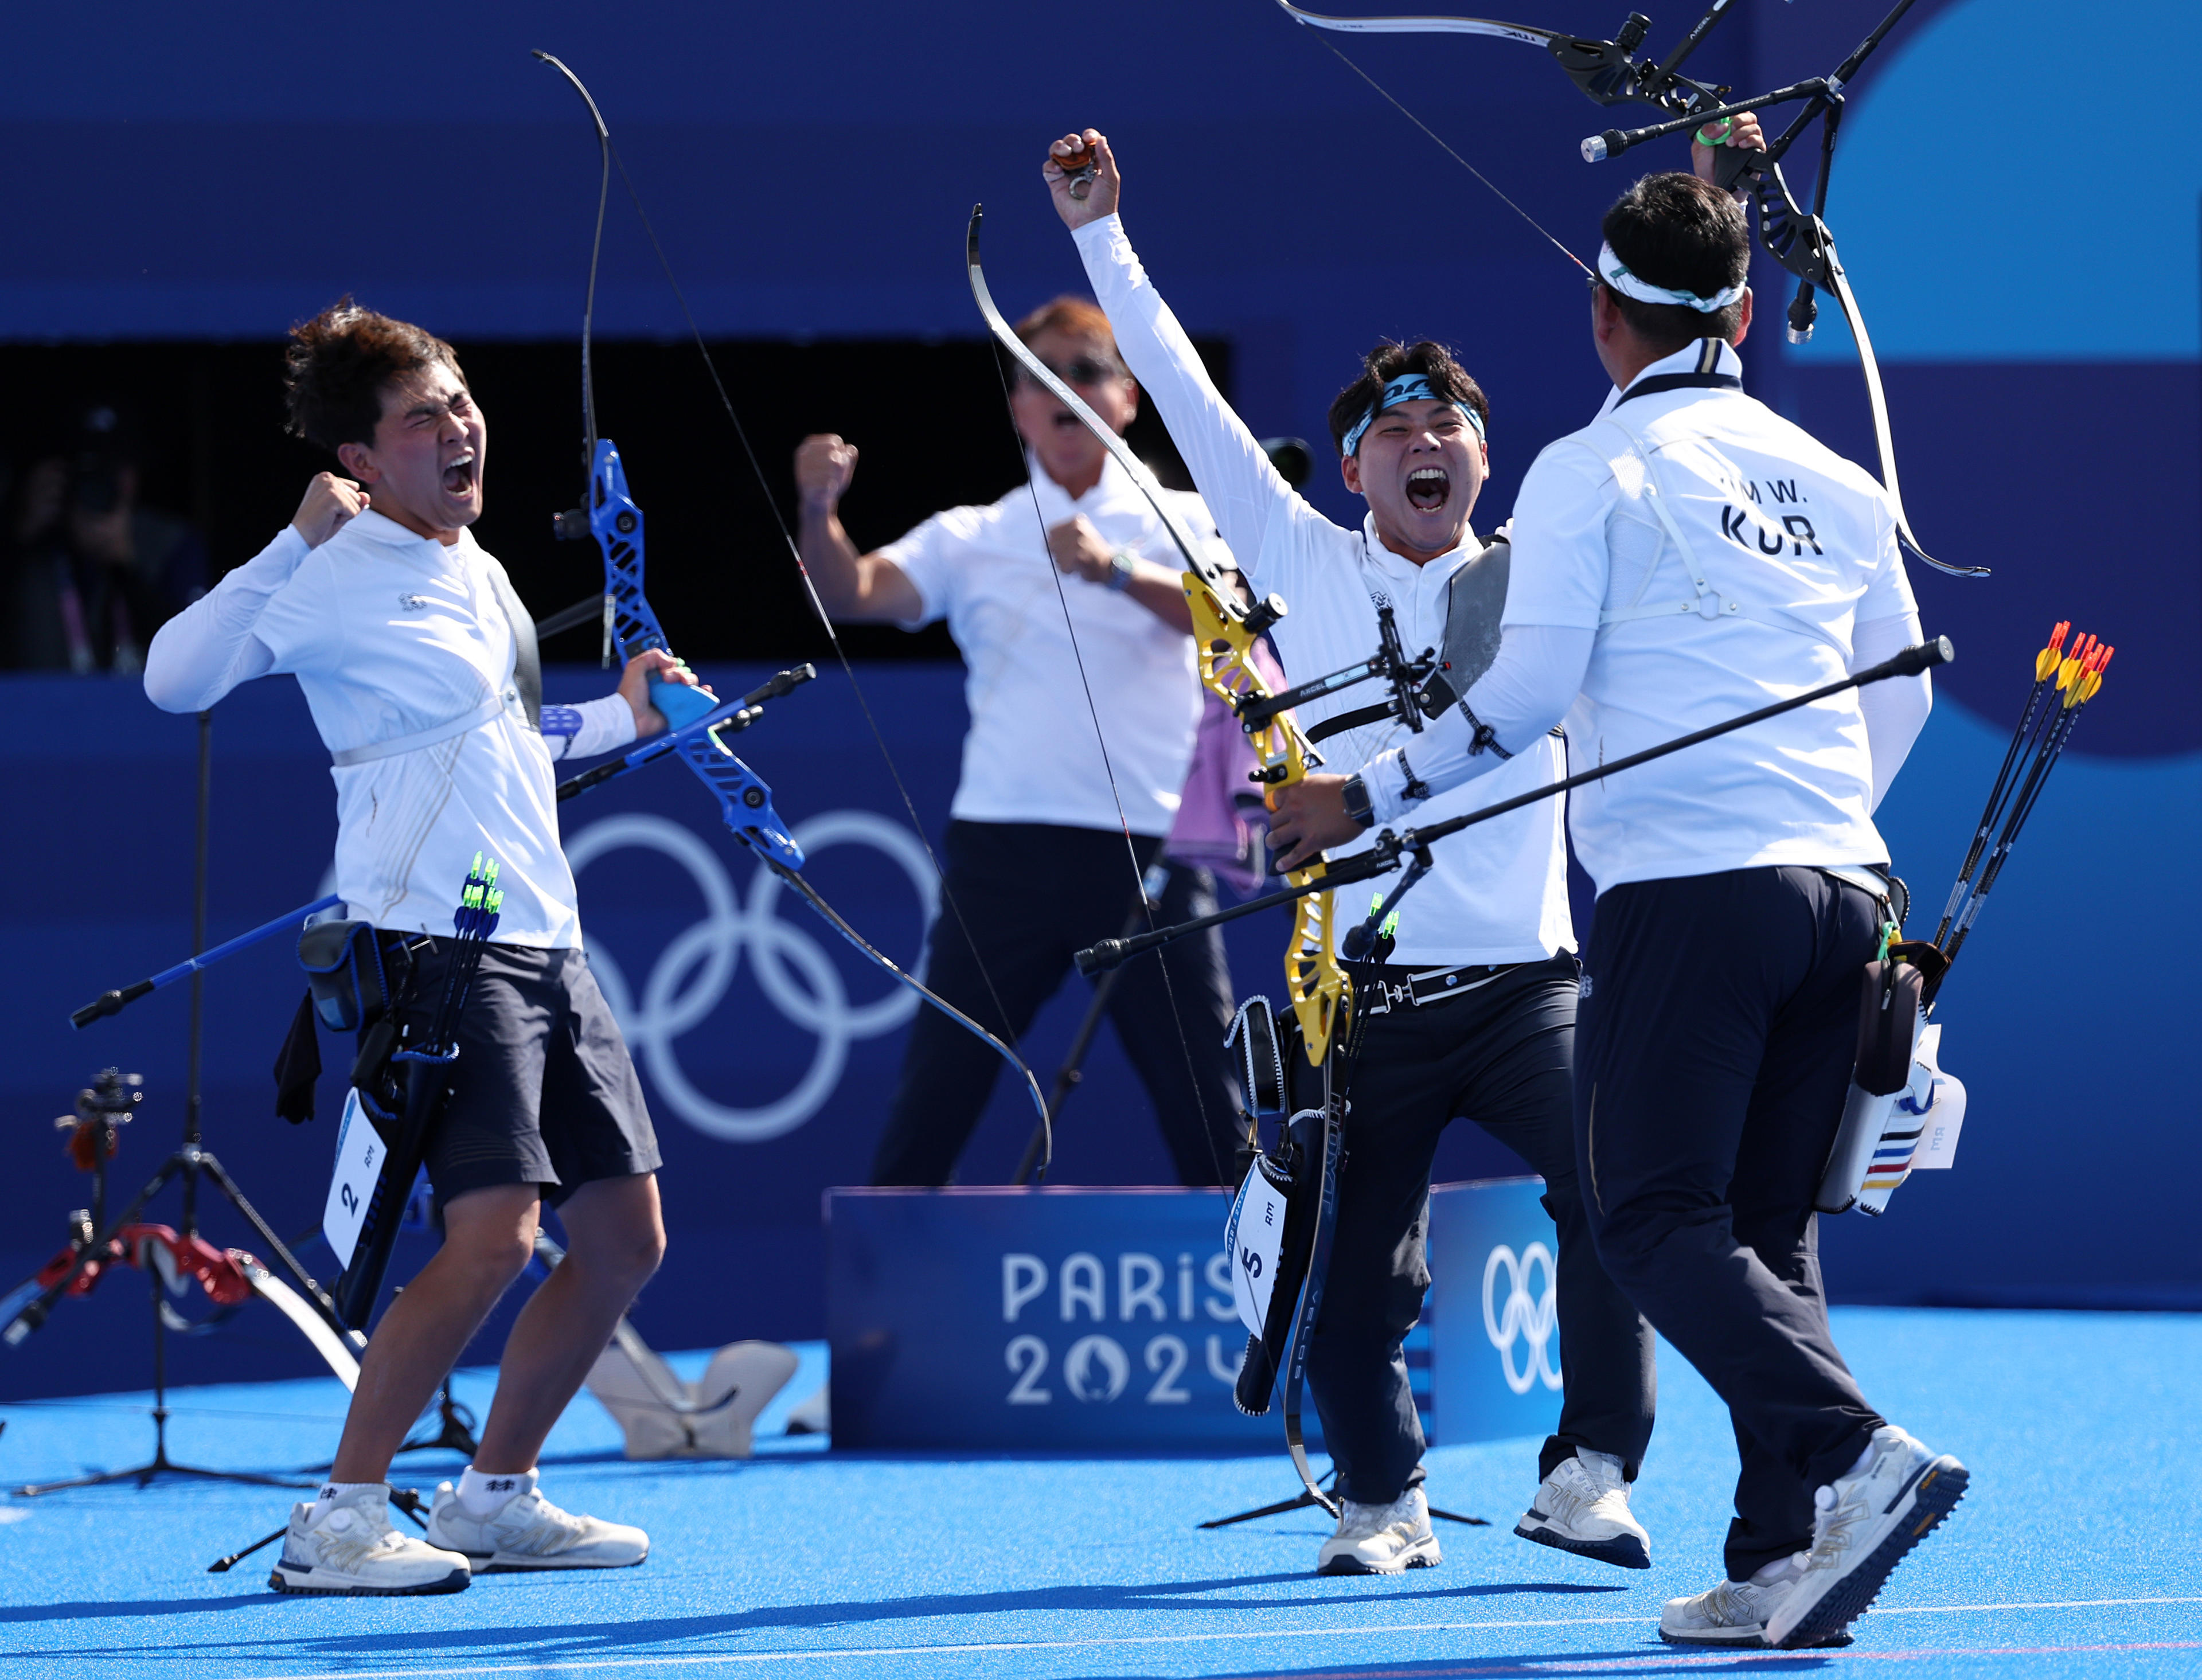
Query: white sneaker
{"points": [[529, 1532], [1381, 1539], [1734, 1612], [1861, 1527], [352, 1550], [1582, 1506]]}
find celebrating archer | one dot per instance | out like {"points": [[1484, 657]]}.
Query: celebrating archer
{"points": [[1036, 843], [1471, 1011], [416, 658], [1743, 888]]}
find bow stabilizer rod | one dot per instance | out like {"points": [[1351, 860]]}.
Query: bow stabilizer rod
{"points": [[1385, 854], [111, 1002]]}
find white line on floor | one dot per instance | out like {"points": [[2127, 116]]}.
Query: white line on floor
{"points": [[859, 1653]]}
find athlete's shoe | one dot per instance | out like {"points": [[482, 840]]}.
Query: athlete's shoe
{"points": [[1861, 1527], [352, 1550], [1582, 1506], [529, 1532], [1381, 1539], [1734, 1612]]}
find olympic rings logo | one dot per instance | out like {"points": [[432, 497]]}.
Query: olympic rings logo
{"points": [[1525, 1317], [794, 972]]}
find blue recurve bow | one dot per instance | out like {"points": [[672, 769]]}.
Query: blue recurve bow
{"points": [[696, 718]]}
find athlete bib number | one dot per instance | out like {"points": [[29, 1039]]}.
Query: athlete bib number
{"points": [[1254, 1238], [359, 1159]]}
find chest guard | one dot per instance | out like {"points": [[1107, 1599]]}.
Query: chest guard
{"points": [[1474, 604]]}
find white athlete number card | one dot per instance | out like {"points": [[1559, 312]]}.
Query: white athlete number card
{"points": [[359, 1159]]}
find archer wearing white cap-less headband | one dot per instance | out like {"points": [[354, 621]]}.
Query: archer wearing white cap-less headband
{"points": [[1687, 554], [1615, 273]]}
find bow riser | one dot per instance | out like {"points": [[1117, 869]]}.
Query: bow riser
{"points": [[1321, 994], [744, 800]]}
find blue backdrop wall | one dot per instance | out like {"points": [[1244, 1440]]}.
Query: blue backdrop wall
{"points": [[171, 174]]}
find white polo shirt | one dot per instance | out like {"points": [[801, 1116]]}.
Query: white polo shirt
{"points": [[392, 635], [1031, 755], [1773, 551], [1497, 894]]}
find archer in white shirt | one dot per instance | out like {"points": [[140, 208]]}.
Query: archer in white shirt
{"points": [[400, 630], [1084, 703], [1689, 556], [1473, 1013]]}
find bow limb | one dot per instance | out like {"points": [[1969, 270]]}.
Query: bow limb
{"points": [[1608, 72], [612, 518], [1527, 33], [1603, 70], [1224, 633]]}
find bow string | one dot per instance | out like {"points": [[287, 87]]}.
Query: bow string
{"points": [[611, 517], [1225, 629]]}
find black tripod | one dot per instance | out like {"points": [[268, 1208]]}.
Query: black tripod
{"points": [[190, 1162], [1304, 1499]]}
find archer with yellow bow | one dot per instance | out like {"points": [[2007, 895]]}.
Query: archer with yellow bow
{"points": [[1468, 1008]]}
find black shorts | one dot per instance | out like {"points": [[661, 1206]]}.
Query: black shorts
{"points": [[544, 1092]]}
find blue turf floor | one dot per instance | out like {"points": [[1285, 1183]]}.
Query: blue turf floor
{"points": [[2073, 1555]]}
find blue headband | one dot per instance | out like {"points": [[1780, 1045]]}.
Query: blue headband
{"points": [[1407, 388]]}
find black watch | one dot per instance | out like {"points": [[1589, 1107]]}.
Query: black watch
{"points": [[1356, 802]]}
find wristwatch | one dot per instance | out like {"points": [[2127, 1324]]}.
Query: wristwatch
{"points": [[1120, 571], [1356, 802]]}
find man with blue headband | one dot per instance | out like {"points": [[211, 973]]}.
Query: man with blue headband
{"points": [[1471, 1011], [1687, 557]]}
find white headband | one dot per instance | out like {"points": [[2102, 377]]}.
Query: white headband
{"points": [[1612, 270]]}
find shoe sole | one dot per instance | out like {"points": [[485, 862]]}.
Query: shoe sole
{"points": [[503, 1564], [1748, 1641], [1624, 1551], [1934, 1496], [1417, 1559], [455, 1582]]}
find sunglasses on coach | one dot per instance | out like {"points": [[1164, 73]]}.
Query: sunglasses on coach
{"points": [[1083, 370]]}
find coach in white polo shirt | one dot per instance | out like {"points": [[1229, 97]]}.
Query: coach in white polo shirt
{"points": [[1688, 557], [1037, 865], [405, 637], [1472, 1013]]}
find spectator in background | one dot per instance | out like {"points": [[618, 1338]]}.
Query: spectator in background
{"points": [[1036, 863], [92, 574]]}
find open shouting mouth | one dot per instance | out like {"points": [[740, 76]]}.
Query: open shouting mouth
{"points": [[459, 474], [1429, 487]]}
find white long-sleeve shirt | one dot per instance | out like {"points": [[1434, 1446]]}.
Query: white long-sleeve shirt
{"points": [[1688, 557], [392, 635], [1497, 894]]}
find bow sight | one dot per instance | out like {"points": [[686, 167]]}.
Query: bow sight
{"points": [[1608, 73]]}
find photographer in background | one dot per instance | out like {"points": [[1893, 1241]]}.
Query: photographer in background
{"points": [[91, 574]]}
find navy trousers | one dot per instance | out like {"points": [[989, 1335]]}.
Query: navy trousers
{"points": [[1713, 1049], [1031, 895], [1498, 1055]]}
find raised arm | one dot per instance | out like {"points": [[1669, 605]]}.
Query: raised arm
{"points": [[209, 649], [1242, 491], [869, 588]]}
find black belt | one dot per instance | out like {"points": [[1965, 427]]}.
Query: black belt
{"points": [[1376, 994]]}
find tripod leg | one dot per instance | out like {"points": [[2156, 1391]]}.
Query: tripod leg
{"points": [[1068, 1076], [1298, 1502], [1071, 1072], [222, 1565], [282, 1256]]}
